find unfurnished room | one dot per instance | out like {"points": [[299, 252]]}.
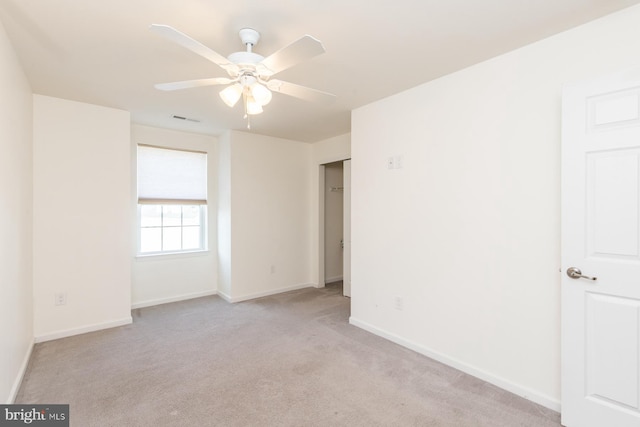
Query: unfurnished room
{"points": [[320, 213]]}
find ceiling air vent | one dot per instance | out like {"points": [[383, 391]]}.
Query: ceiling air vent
{"points": [[186, 118]]}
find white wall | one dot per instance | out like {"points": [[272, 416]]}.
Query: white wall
{"points": [[166, 278], [224, 215], [82, 217], [332, 149], [269, 215], [467, 233], [16, 314], [333, 221], [322, 152]]}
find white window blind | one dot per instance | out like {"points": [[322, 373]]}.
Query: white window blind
{"points": [[167, 176]]}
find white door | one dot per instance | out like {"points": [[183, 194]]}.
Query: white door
{"points": [[601, 237], [346, 229]]}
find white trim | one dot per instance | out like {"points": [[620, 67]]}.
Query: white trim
{"points": [[328, 280], [322, 171], [13, 393], [534, 396], [266, 293], [83, 330], [162, 256], [176, 298], [224, 296]]}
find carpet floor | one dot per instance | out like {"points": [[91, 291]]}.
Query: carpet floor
{"points": [[286, 360]]}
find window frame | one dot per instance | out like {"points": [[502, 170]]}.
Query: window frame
{"points": [[202, 205], [203, 231]]}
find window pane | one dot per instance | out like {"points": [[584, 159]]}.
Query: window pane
{"points": [[171, 228], [150, 215], [171, 239], [191, 215], [150, 240], [191, 238], [171, 215]]}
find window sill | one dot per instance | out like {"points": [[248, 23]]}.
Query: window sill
{"points": [[171, 255]]}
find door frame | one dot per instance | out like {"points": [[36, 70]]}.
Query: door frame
{"points": [[317, 261]]}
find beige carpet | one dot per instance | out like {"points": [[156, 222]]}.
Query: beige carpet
{"points": [[285, 360]]}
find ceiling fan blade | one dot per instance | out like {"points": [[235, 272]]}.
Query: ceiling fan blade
{"points": [[194, 83], [300, 50], [301, 92], [194, 46]]}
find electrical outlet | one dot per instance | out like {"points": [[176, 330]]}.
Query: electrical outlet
{"points": [[399, 303], [60, 298], [391, 164], [394, 162], [397, 162], [273, 269]]}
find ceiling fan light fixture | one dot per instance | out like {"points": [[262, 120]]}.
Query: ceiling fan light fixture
{"points": [[261, 94], [253, 107], [231, 94]]}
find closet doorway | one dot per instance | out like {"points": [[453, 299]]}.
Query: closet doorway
{"points": [[337, 224]]}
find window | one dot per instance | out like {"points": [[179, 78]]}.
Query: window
{"points": [[171, 228], [172, 200]]}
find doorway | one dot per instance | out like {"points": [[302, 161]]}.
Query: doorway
{"points": [[335, 220]]}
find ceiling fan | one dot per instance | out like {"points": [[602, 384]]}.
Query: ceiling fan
{"points": [[250, 74]]}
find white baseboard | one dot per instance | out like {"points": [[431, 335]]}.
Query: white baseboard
{"points": [[534, 396], [265, 293], [18, 381], [177, 298], [224, 296], [83, 329], [332, 279]]}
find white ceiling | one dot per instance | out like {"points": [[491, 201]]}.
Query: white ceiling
{"points": [[102, 52]]}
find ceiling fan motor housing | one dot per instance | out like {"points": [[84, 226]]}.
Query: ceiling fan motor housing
{"points": [[241, 58], [247, 59], [249, 36]]}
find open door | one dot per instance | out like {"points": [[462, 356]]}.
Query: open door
{"points": [[601, 252], [346, 264]]}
